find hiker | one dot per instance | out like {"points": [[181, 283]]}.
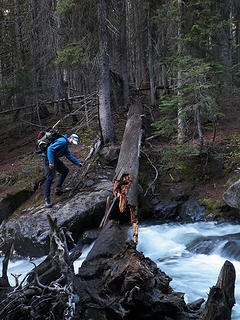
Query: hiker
{"points": [[52, 163]]}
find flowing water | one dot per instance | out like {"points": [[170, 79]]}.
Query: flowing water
{"points": [[192, 273], [166, 244]]}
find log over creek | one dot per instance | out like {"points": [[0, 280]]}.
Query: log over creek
{"points": [[122, 277]]}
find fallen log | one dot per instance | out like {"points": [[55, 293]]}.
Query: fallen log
{"points": [[221, 296], [117, 282], [126, 173]]}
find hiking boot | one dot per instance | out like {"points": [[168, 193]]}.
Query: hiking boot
{"points": [[48, 203], [58, 191]]}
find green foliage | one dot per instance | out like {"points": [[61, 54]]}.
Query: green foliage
{"points": [[212, 206], [196, 90], [231, 155], [64, 6], [165, 127], [87, 135], [72, 56], [175, 157]]}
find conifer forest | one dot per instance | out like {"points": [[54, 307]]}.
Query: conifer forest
{"points": [[186, 53], [148, 92]]}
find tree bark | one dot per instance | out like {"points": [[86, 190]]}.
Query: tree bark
{"points": [[126, 173], [20, 55], [138, 59], [105, 116], [199, 127], [150, 58], [181, 125], [123, 53], [221, 297]]}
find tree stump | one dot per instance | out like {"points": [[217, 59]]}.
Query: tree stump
{"points": [[221, 297]]}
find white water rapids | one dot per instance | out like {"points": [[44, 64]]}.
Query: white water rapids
{"points": [[165, 244]]}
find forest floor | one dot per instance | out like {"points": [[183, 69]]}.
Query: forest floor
{"points": [[19, 164]]}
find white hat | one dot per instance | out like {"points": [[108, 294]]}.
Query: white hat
{"points": [[74, 138]]}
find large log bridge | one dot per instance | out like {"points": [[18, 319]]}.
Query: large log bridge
{"points": [[126, 173]]}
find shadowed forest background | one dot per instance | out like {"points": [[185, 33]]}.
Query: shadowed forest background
{"points": [[83, 62]]}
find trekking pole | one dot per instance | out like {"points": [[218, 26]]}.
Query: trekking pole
{"points": [[56, 123]]}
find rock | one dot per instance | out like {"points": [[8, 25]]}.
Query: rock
{"points": [[232, 195], [191, 211], [12, 201], [30, 230], [180, 192], [90, 236], [89, 183], [167, 210], [231, 250], [203, 246], [109, 154]]}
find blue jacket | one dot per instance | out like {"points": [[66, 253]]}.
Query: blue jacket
{"points": [[58, 149]]}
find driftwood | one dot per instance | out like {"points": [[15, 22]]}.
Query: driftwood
{"points": [[221, 296], [126, 173], [4, 283], [48, 293]]}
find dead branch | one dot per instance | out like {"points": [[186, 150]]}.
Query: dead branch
{"points": [[109, 205], [83, 171], [4, 279], [73, 98], [156, 175]]}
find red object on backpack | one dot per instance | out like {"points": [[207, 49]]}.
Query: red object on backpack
{"points": [[40, 135]]}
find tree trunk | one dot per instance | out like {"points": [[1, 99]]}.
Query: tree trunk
{"points": [[20, 55], [105, 116], [123, 53], [181, 124], [237, 42], [126, 173], [199, 127], [221, 297], [150, 58], [138, 61]]}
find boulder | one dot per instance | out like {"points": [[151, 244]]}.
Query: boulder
{"points": [[232, 195], [167, 210], [13, 201], [30, 230], [191, 211]]}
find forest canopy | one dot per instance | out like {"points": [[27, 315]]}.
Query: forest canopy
{"points": [[185, 53]]}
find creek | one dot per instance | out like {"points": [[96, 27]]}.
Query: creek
{"points": [[193, 272]]}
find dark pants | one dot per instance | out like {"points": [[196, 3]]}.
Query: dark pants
{"points": [[60, 167]]}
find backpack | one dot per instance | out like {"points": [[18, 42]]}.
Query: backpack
{"points": [[47, 137]]}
